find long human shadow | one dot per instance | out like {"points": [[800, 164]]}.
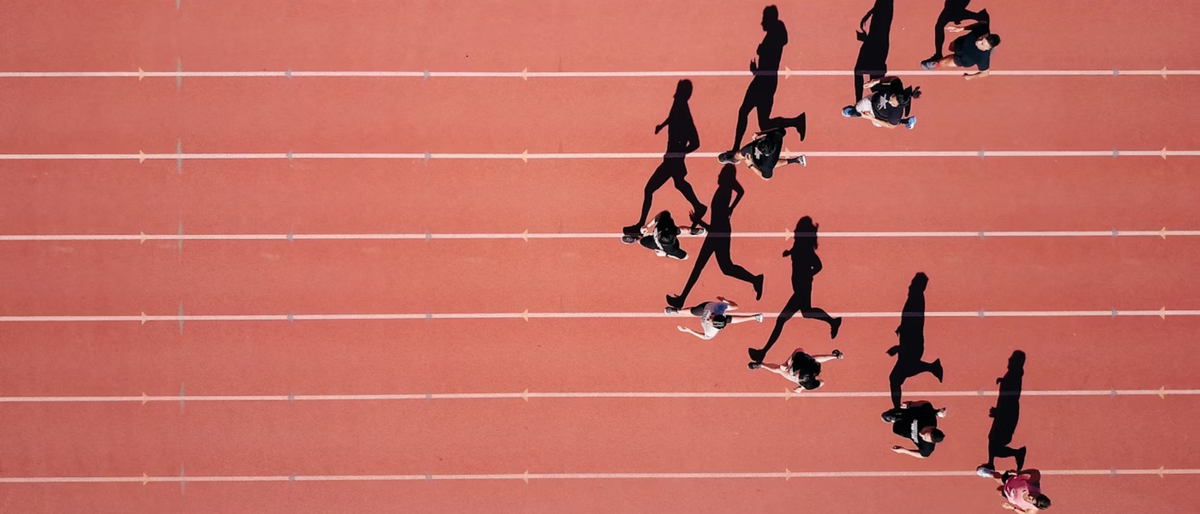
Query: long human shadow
{"points": [[718, 240], [682, 139], [954, 11], [911, 347], [876, 42], [805, 265], [1006, 413], [760, 96]]}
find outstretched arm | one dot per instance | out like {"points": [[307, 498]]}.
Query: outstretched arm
{"points": [[693, 332], [905, 451]]}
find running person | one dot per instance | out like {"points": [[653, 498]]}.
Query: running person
{"points": [[801, 368], [917, 422], [662, 236], [762, 154], [888, 106], [714, 317], [1022, 491], [971, 50]]}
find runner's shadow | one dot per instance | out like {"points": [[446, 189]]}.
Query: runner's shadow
{"points": [[805, 265], [1006, 413], [911, 347], [682, 139], [876, 42], [760, 95], [718, 240]]}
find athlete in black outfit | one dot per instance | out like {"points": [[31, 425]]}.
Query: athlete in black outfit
{"points": [[971, 50], [917, 422], [762, 154]]}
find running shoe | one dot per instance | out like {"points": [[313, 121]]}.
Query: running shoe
{"points": [[912, 122], [848, 111]]}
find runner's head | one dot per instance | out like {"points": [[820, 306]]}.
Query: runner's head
{"points": [[1041, 501], [809, 382], [987, 42], [683, 90], [719, 321], [933, 435], [905, 96]]}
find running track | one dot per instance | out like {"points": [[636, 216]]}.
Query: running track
{"points": [[240, 416]]}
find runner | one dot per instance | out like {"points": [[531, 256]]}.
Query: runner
{"points": [[762, 154], [1022, 491], [917, 422], [714, 317], [662, 236], [801, 368], [889, 105], [971, 50]]}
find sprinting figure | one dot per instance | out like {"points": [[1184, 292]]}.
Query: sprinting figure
{"points": [[805, 266], [954, 12], [971, 50], [911, 347], [1022, 491], [718, 239], [917, 422], [801, 368], [876, 43], [662, 236], [763, 153], [714, 317], [888, 106], [1006, 414], [760, 96], [682, 139]]}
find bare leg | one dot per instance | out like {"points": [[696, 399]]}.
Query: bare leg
{"points": [[741, 318]]}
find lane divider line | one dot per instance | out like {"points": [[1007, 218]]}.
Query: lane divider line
{"points": [[526, 395], [178, 74], [786, 475], [525, 156], [526, 315], [785, 234]]}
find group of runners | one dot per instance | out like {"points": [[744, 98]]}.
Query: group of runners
{"points": [[888, 105]]}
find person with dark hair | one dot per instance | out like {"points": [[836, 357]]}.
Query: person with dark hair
{"points": [[801, 368], [971, 50], [682, 139], [720, 234], [888, 106], [714, 317], [662, 236], [763, 153], [917, 422], [760, 96], [805, 266], [954, 12], [1022, 491]]}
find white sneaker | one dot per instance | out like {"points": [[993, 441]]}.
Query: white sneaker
{"points": [[758, 318]]}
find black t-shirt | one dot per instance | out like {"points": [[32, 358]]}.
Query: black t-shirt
{"points": [[911, 421], [765, 152], [884, 110], [967, 54]]}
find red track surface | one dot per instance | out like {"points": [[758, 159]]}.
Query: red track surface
{"points": [[478, 115]]}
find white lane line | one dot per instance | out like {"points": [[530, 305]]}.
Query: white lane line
{"points": [[786, 475], [526, 315], [527, 395], [526, 156], [525, 74], [782, 234]]}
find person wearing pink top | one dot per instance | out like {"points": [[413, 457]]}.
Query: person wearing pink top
{"points": [[1022, 491]]}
